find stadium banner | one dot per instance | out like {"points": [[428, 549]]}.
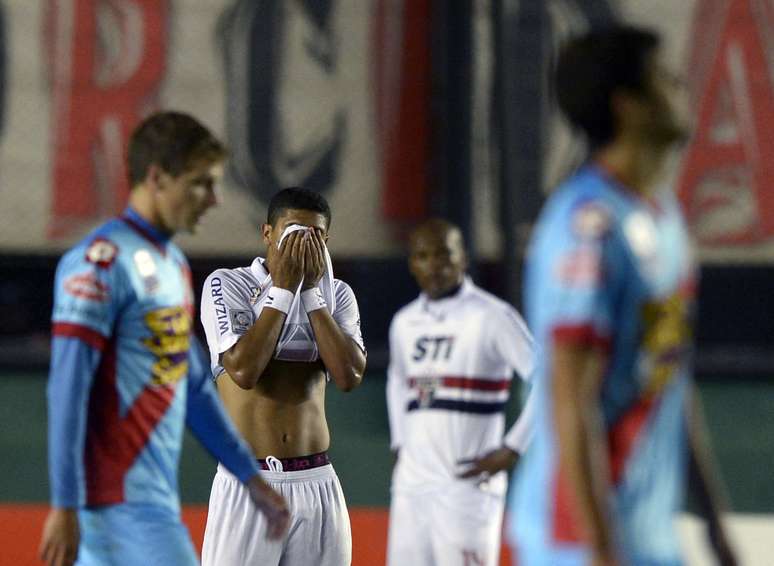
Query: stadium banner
{"points": [[303, 92], [333, 94]]}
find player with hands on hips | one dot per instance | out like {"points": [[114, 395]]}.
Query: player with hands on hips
{"points": [[453, 352]]}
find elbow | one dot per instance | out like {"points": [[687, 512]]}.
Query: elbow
{"points": [[244, 379], [349, 379]]}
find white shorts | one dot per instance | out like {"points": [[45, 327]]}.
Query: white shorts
{"points": [[319, 532], [444, 529]]}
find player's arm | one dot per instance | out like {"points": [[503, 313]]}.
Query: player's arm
{"points": [[396, 389], [84, 294], [246, 355], [576, 374], [211, 425], [703, 480], [512, 344], [343, 356], [579, 297]]}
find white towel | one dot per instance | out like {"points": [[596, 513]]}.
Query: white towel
{"points": [[297, 314]]}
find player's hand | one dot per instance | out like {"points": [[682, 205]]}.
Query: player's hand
{"points": [[272, 505], [287, 269], [489, 464], [59, 545], [314, 258], [720, 545]]}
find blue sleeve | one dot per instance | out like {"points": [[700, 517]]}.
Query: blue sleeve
{"points": [[87, 289], [73, 363], [209, 422], [581, 265]]}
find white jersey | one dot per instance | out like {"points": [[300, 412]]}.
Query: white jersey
{"points": [[232, 300], [449, 378]]}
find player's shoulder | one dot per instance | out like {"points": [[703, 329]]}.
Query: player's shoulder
{"points": [[235, 276], [342, 288], [407, 312], [491, 304], [584, 205], [102, 247]]}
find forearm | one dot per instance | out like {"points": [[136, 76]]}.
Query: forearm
{"points": [[72, 368], [520, 434], [211, 425], [576, 375], [246, 360], [582, 453], [343, 359]]}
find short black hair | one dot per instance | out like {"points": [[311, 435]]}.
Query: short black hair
{"points": [[297, 198], [172, 140], [590, 68]]}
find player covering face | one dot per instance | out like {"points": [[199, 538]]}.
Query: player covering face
{"points": [[126, 373], [277, 331], [453, 352]]}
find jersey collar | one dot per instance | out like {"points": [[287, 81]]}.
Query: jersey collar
{"points": [[441, 307], [259, 271], [145, 228]]}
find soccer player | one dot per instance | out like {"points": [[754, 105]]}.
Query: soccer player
{"points": [[127, 374], [278, 329], [609, 291], [453, 352]]}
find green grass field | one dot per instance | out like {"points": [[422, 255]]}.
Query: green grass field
{"points": [[740, 417]]}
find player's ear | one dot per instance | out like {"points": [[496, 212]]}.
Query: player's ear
{"points": [[266, 230], [153, 177]]}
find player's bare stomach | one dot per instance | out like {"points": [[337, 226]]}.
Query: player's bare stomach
{"points": [[284, 414]]}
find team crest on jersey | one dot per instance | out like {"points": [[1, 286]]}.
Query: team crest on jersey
{"points": [[241, 321], [255, 295], [87, 286], [426, 389], [101, 252], [591, 220]]}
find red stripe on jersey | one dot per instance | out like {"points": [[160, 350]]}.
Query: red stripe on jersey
{"points": [[580, 335], [113, 443], [565, 524], [481, 384], [623, 434], [91, 337]]}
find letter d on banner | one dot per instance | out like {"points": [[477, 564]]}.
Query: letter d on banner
{"points": [[107, 59]]}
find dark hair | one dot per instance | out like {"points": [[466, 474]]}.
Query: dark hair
{"points": [[592, 67], [172, 140], [298, 199]]}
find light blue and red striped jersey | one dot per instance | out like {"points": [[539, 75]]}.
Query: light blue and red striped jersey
{"points": [[121, 377], [606, 267]]}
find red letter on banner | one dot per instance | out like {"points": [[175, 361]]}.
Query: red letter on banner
{"points": [[729, 168], [107, 62]]}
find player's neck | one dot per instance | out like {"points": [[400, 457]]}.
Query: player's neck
{"points": [[142, 204], [635, 164]]}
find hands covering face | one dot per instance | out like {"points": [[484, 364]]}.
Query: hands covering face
{"points": [[301, 256]]}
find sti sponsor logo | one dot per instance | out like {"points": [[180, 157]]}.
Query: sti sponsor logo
{"points": [[87, 286], [433, 347], [216, 287]]}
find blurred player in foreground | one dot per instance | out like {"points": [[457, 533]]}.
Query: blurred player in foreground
{"points": [[609, 292], [277, 330], [453, 352], [126, 374]]}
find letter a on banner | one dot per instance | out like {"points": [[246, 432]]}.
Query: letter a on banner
{"points": [[726, 183], [106, 62]]}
